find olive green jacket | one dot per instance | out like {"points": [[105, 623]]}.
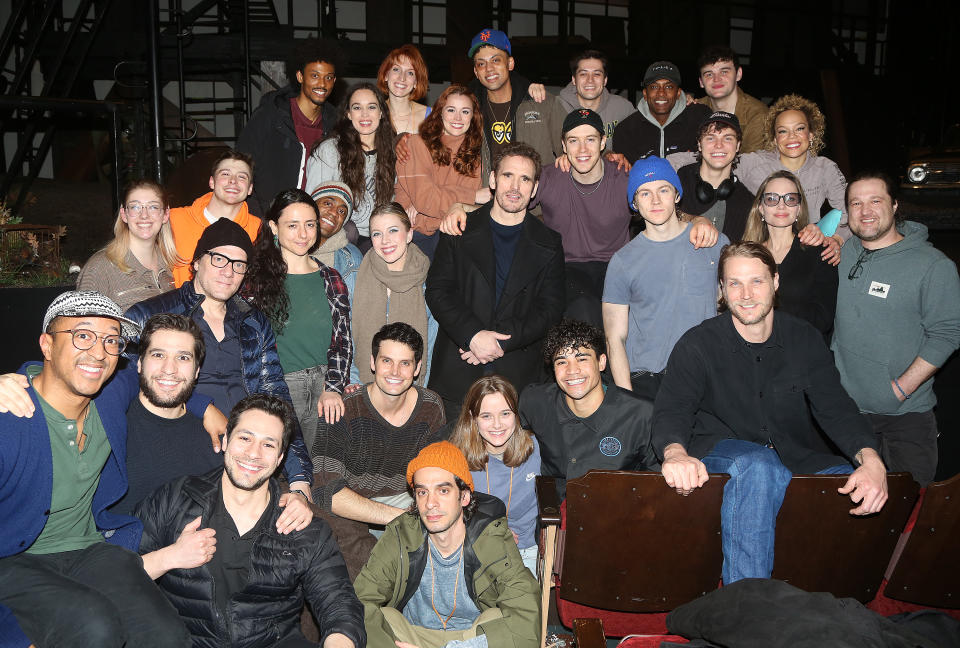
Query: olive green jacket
{"points": [[495, 577]]}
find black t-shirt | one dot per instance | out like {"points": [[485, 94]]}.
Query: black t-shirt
{"points": [[499, 119], [159, 450], [230, 565]]}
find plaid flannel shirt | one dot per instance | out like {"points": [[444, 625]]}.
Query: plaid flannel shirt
{"points": [[340, 352]]}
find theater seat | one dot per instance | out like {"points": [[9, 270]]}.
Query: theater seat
{"points": [[820, 547], [630, 549]]}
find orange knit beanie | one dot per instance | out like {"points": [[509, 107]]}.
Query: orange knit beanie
{"points": [[441, 454]]}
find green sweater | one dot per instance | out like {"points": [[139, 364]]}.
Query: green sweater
{"points": [[496, 577]]}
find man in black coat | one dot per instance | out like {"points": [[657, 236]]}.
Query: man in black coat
{"points": [[212, 545], [289, 122], [497, 289]]}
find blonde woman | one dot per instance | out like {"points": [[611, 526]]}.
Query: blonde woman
{"points": [[136, 264], [808, 284]]}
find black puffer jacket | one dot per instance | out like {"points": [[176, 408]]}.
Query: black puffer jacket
{"points": [[278, 156], [285, 570]]}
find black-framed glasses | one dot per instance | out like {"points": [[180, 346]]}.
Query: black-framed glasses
{"points": [[791, 199], [857, 268], [84, 339], [217, 260]]}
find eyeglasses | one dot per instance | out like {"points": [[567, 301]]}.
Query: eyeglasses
{"points": [[154, 209], [857, 268], [220, 261], [84, 339], [771, 199]]}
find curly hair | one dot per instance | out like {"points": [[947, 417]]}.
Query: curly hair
{"points": [[352, 157], [572, 334], [815, 121], [756, 229], [265, 285], [313, 50], [467, 162], [466, 434], [419, 66]]}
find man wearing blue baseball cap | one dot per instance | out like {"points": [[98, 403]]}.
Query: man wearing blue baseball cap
{"points": [[658, 285], [510, 114]]}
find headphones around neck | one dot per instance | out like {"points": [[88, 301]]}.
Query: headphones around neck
{"points": [[706, 193]]}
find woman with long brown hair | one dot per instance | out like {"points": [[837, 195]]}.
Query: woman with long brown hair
{"points": [[444, 165], [360, 153], [504, 458]]}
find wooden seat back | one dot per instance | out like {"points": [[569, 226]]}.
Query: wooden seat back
{"points": [[634, 545], [928, 571], [820, 547]]}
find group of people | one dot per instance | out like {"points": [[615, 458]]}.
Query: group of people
{"points": [[408, 313]]}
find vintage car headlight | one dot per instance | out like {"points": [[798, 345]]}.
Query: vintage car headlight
{"points": [[917, 173]]}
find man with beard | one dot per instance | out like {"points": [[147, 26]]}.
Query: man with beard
{"points": [[736, 398], [231, 576], [61, 579], [241, 349], [906, 294], [478, 594], [497, 289], [164, 440]]}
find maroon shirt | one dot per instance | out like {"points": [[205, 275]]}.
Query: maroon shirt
{"points": [[594, 219], [308, 132]]}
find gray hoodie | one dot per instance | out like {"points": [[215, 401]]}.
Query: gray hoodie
{"points": [[612, 108], [904, 303]]}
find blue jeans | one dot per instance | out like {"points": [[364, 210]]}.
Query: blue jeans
{"points": [[751, 502]]}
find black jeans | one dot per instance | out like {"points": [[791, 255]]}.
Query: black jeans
{"points": [[908, 442], [98, 597], [646, 383], [585, 291]]}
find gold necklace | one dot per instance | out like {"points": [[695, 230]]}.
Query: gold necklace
{"points": [[501, 129], [456, 583]]}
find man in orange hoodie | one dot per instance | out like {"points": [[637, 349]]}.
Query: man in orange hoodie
{"points": [[231, 181]]}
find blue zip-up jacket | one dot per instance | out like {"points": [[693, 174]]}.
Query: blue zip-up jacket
{"points": [[26, 478]]}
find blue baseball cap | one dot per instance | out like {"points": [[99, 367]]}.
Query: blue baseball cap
{"points": [[491, 37], [651, 169]]}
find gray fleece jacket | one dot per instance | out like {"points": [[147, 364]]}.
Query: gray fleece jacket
{"points": [[612, 109], [904, 303]]}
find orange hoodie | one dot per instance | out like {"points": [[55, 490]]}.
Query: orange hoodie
{"points": [[188, 224]]}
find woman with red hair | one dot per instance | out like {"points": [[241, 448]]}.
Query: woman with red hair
{"points": [[444, 165], [403, 78]]}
